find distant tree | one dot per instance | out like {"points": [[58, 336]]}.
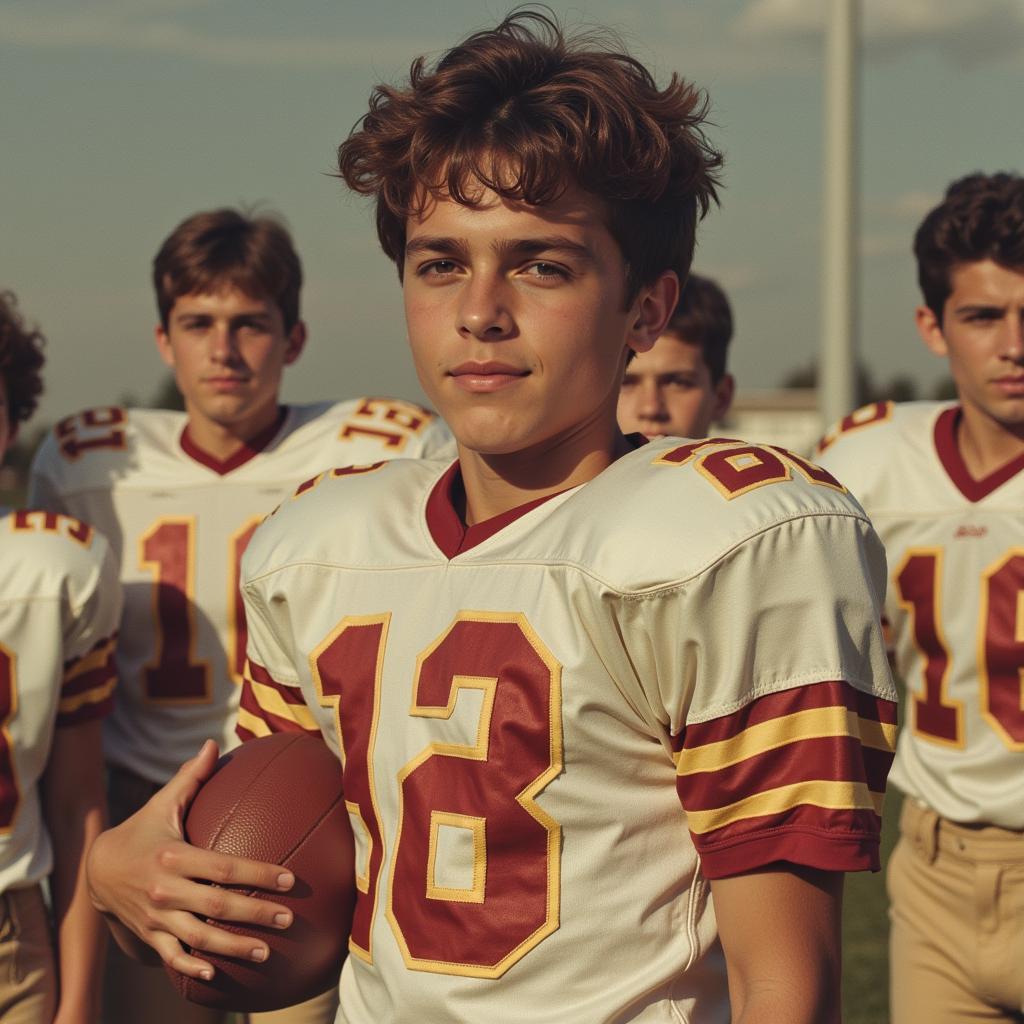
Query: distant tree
{"points": [[898, 389], [807, 377], [944, 390]]}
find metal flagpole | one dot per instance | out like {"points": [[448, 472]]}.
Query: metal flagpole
{"points": [[839, 242]]}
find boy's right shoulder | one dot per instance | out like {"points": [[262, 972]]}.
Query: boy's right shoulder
{"points": [[97, 446], [347, 513]]}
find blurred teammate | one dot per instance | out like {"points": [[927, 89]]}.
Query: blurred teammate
{"points": [[179, 495], [944, 485], [59, 606], [561, 678], [681, 386]]}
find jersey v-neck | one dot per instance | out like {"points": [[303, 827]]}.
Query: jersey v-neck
{"points": [[955, 467], [445, 524], [250, 449]]}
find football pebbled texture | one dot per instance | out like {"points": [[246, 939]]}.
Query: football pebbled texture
{"points": [[279, 799]]}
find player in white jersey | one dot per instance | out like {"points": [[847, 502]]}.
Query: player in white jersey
{"points": [[681, 386], [574, 686], [179, 495], [944, 485], [59, 606], [180, 520]]}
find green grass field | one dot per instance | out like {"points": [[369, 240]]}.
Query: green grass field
{"points": [[866, 933]]}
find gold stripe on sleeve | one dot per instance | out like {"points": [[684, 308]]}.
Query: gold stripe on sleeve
{"points": [[247, 720], [272, 702], [95, 659], [814, 723], [94, 696], [840, 796]]}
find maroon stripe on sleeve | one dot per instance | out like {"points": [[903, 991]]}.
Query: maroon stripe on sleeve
{"points": [[266, 720], [793, 776]]}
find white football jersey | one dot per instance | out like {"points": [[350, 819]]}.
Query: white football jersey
{"points": [[955, 604], [556, 725], [178, 522], [59, 607]]}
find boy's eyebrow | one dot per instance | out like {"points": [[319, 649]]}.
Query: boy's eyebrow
{"points": [[523, 247], [435, 243], [979, 307], [534, 246]]}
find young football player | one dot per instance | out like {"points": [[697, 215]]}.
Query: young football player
{"points": [[567, 711], [59, 606], [179, 495], [680, 386], [944, 485]]}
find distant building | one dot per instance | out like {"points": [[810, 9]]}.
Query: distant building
{"points": [[784, 416]]}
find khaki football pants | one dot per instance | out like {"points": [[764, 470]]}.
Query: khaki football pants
{"points": [[133, 993], [957, 910], [28, 974]]}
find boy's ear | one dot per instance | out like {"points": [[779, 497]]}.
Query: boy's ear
{"points": [[296, 342], [724, 391], [163, 345], [652, 310], [930, 329]]}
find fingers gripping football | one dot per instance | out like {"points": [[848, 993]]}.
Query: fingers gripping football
{"points": [[143, 875]]}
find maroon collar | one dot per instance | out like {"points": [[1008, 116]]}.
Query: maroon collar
{"points": [[450, 533], [249, 449], [953, 462]]}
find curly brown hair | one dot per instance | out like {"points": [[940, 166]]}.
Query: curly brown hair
{"points": [[21, 361], [214, 249], [526, 112], [981, 218]]}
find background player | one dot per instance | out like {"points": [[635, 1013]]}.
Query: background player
{"points": [[681, 386], [59, 607], [944, 485], [179, 495], [538, 649]]}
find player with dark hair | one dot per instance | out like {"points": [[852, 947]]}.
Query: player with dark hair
{"points": [[59, 606], [680, 387], [944, 485], [179, 495], [560, 672]]}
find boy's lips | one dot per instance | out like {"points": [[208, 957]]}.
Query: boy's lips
{"points": [[486, 376]]}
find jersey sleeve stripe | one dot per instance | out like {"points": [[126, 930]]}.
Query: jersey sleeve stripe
{"points": [[96, 703], [267, 706], [277, 705], [101, 658], [816, 723], [830, 795], [778, 764], [88, 689], [250, 726]]}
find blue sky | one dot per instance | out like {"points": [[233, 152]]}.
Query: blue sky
{"points": [[120, 117]]}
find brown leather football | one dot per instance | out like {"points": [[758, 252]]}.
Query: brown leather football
{"points": [[279, 799]]}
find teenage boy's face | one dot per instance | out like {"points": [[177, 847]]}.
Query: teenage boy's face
{"points": [[982, 335], [517, 319], [228, 351], [668, 392]]}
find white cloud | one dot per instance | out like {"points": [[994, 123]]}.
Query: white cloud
{"points": [[967, 33]]}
